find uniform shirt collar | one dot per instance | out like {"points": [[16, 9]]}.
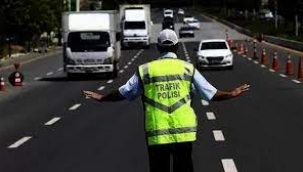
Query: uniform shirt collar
{"points": [[168, 55]]}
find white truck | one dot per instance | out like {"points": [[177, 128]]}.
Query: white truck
{"points": [[136, 25], [91, 42]]}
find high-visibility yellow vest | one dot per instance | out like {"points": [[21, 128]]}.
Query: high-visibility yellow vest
{"points": [[169, 117]]}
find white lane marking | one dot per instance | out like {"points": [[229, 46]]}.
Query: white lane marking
{"points": [[296, 81], [244, 55], [132, 59], [205, 103], [135, 56], [263, 66], [188, 61], [210, 116], [271, 70], [110, 81], [101, 88], [218, 135], [129, 63], [229, 165], [37, 78], [60, 69], [256, 62], [74, 107], [283, 76], [52, 121], [19, 142], [50, 73], [250, 59], [125, 67], [121, 71]]}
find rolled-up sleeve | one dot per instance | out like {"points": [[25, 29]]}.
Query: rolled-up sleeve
{"points": [[203, 87], [132, 89]]}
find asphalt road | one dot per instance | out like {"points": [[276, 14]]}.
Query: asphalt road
{"points": [[48, 125]]}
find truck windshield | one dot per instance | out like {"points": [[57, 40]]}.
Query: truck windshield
{"points": [[134, 25], [213, 46], [88, 41]]}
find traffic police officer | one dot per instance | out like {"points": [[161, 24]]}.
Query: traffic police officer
{"points": [[165, 85]]}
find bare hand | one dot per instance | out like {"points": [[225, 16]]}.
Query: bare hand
{"points": [[239, 90], [90, 94]]}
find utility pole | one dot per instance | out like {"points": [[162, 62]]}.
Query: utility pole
{"points": [[276, 14], [77, 5]]}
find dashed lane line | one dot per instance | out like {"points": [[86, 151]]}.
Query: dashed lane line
{"points": [[50, 73], [125, 67], [37, 78], [271, 70], [74, 107], [282, 75], [121, 71], [296, 81], [129, 63], [19, 142], [52, 121], [205, 103], [101, 88], [256, 62], [229, 165], [60, 69], [250, 59], [218, 135], [110, 81], [263, 66], [210, 116]]}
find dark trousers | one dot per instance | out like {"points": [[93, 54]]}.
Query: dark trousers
{"points": [[160, 157]]}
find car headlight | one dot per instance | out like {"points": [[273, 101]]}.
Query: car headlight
{"points": [[229, 56], [108, 60]]}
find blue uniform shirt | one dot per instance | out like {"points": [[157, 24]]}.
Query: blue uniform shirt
{"points": [[134, 88]]}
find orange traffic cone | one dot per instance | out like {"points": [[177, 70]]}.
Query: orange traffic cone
{"points": [[275, 62], [300, 69], [16, 78], [263, 57], [289, 67], [246, 51], [2, 83]]}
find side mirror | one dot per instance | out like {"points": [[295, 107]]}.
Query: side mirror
{"points": [[118, 36]]}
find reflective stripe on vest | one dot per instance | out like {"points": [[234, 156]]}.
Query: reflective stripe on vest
{"points": [[169, 116]]}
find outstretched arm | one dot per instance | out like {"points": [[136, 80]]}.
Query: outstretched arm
{"points": [[131, 90], [224, 95], [113, 96]]}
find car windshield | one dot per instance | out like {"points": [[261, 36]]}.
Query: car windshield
{"points": [[213, 45], [134, 25], [168, 12], [88, 41]]}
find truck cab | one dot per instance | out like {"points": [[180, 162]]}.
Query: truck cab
{"points": [[91, 47], [136, 25]]}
